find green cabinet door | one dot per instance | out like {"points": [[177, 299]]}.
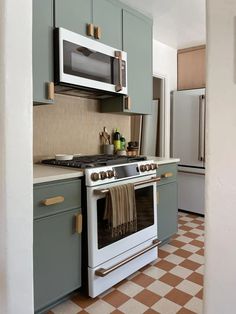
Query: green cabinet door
{"points": [[137, 42], [108, 16], [167, 210], [57, 258], [42, 49], [73, 15]]}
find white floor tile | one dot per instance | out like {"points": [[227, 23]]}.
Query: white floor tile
{"points": [[154, 272], [200, 270], [198, 231], [130, 288], [189, 287], [175, 259], [164, 306], [159, 288], [190, 248], [100, 307], [181, 272], [191, 225], [169, 248], [184, 239], [68, 307], [133, 307], [194, 305], [197, 258], [186, 218]]}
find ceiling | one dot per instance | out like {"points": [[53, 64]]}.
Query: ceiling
{"points": [[177, 23]]}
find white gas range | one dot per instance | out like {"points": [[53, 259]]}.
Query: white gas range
{"points": [[111, 259]]}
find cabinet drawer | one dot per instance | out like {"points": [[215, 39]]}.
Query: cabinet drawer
{"points": [[54, 197], [167, 173]]}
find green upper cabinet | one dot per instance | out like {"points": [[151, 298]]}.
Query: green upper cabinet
{"points": [[104, 15], [42, 51], [137, 42], [108, 16], [73, 15]]}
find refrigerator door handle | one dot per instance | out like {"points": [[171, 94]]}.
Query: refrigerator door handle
{"points": [[201, 135]]}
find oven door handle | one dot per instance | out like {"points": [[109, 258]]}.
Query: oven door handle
{"points": [[152, 180], [101, 272]]}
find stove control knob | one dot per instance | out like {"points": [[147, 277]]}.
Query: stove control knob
{"points": [[148, 167], [103, 175], [143, 168], [110, 174], [95, 176], [153, 166]]}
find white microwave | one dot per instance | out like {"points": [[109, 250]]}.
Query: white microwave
{"points": [[84, 63]]}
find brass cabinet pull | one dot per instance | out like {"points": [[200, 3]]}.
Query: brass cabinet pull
{"points": [[101, 272], [53, 200], [127, 102], [51, 91], [167, 175], [90, 30], [97, 32], [78, 223], [118, 56]]}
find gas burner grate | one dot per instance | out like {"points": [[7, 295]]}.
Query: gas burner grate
{"points": [[93, 161]]}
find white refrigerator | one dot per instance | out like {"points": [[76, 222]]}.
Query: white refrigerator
{"points": [[188, 110]]}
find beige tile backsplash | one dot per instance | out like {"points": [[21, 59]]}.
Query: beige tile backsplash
{"points": [[72, 126]]}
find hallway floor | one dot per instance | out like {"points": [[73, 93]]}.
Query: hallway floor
{"points": [[172, 285]]}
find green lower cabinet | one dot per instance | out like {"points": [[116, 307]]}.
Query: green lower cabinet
{"points": [[167, 210], [57, 258]]}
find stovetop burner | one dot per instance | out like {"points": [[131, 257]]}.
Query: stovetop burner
{"points": [[93, 161]]}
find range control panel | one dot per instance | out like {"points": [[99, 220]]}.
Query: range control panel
{"points": [[102, 175]]}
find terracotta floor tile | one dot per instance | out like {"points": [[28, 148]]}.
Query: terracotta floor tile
{"points": [[197, 221], [200, 227], [162, 253], [143, 280], [120, 283], [144, 268], [83, 312], [177, 243], [178, 297], [191, 235], [200, 294], [165, 265], [171, 280], [83, 301], [185, 228], [197, 278], [117, 312], [190, 264], [197, 243], [116, 298], [182, 253], [49, 312], [194, 216], [200, 252], [180, 221], [185, 311], [147, 297], [150, 311]]}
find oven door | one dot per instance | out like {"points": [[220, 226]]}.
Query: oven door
{"points": [[101, 245], [87, 63]]}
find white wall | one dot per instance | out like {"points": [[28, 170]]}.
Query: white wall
{"points": [[165, 65], [220, 275], [16, 213]]}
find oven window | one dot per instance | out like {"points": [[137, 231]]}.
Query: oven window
{"points": [[83, 62], [145, 216]]}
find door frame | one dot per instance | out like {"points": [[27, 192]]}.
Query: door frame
{"points": [[163, 114]]}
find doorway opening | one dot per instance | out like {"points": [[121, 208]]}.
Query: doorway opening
{"points": [[149, 130]]}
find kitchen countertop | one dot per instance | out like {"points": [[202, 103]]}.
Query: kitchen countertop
{"points": [[43, 173], [163, 160]]}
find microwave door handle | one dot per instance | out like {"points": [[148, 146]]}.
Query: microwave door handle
{"points": [[119, 85], [201, 135]]}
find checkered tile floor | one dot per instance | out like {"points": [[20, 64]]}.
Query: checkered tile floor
{"points": [[172, 285]]}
